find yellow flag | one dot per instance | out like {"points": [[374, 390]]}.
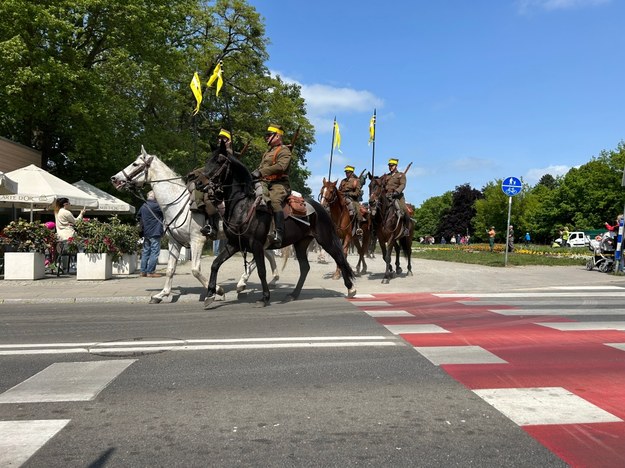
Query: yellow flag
{"points": [[372, 129], [217, 75], [337, 136], [196, 87]]}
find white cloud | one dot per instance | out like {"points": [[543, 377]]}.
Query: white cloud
{"points": [[549, 5], [534, 175], [323, 102]]}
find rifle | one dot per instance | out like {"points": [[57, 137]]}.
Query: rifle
{"points": [[408, 168], [240, 155], [294, 139]]}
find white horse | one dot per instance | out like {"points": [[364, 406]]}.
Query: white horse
{"points": [[182, 226]]}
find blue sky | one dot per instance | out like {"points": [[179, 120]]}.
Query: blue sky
{"points": [[469, 91]]}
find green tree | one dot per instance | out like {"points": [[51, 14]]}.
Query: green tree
{"points": [[88, 81], [427, 217], [457, 220]]}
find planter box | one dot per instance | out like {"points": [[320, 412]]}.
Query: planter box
{"points": [[94, 266], [163, 257], [24, 265], [126, 265]]}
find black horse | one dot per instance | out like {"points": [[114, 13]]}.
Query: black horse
{"points": [[247, 227]]}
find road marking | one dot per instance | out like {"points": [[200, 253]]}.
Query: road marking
{"points": [[544, 405], [66, 381], [144, 346], [558, 312], [440, 355], [583, 326], [620, 346], [364, 296], [415, 328], [388, 313], [19, 440], [533, 294], [580, 288], [370, 303]]}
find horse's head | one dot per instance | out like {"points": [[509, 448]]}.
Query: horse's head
{"points": [[134, 175], [328, 193], [225, 173]]}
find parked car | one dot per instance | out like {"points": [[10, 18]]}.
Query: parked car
{"points": [[576, 239]]}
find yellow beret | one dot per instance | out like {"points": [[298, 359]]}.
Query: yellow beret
{"points": [[393, 161], [349, 168], [225, 133], [275, 129]]}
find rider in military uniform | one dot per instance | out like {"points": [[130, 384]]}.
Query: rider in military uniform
{"points": [[352, 191], [211, 227], [394, 185], [273, 174]]}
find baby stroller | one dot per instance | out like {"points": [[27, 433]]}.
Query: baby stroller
{"points": [[602, 248]]}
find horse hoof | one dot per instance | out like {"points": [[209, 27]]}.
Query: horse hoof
{"points": [[399, 271], [220, 291], [351, 293], [208, 301], [274, 281], [240, 289], [260, 304], [409, 273], [155, 300], [385, 281]]}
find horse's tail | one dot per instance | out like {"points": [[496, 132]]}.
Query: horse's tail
{"points": [[328, 239], [286, 253]]}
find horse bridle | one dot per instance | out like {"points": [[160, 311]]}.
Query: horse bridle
{"points": [[329, 201], [142, 168]]}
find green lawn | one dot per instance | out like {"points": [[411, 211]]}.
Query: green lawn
{"points": [[480, 254]]}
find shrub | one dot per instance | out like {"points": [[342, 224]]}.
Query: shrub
{"points": [[25, 236]]}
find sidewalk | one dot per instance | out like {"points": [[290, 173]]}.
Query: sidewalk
{"points": [[429, 276]]}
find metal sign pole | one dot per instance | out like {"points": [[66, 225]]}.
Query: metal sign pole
{"points": [[505, 263]]}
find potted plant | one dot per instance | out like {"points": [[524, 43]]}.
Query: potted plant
{"points": [[126, 238], [95, 249], [26, 244]]}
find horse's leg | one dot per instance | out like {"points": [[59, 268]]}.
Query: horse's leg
{"points": [[174, 253], [258, 250], [304, 267], [407, 248], [387, 253], [398, 269], [269, 255], [227, 252], [249, 269], [346, 241]]}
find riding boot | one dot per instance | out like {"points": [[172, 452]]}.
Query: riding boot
{"points": [[278, 219], [210, 228]]}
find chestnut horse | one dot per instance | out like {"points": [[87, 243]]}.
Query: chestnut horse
{"points": [[331, 198]]}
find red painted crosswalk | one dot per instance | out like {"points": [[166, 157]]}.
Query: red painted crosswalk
{"points": [[565, 388]]}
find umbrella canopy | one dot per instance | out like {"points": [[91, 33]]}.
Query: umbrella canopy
{"points": [[7, 186], [37, 188], [107, 203]]}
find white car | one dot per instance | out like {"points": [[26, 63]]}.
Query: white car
{"points": [[576, 239]]}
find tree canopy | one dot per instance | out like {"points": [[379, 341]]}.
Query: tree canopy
{"points": [[87, 82]]}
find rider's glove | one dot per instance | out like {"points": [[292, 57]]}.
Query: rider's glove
{"points": [[396, 195], [256, 174]]}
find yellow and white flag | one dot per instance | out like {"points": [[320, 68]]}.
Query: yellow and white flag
{"points": [[196, 87], [337, 136], [372, 129], [217, 75]]}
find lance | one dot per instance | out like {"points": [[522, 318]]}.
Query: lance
{"points": [[373, 146], [332, 149], [408, 168], [294, 139]]}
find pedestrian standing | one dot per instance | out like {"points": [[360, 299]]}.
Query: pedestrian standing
{"points": [[491, 238], [151, 222], [511, 238], [527, 239]]}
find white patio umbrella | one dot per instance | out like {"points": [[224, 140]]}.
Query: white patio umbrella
{"points": [[37, 188], [107, 203], [7, 185]]}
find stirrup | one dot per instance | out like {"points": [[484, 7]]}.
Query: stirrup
{"points": [[209, 231], [359, 232]]}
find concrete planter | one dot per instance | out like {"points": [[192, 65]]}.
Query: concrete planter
{"points": [[24, 265], [90, 266], [126, 265], [163, 257]]}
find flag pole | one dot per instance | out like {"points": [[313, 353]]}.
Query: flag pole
{"points": [[373, 146], [332, 148]]}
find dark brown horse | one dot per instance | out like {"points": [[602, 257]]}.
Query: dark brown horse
{"points": [[389, 228], [332, 199], [247, 228]]}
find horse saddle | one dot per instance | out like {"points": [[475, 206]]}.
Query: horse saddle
{"points": [[297, 207]]}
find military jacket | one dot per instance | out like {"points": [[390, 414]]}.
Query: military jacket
{"points": [[275, 163], [395, 182], [350, 186]]}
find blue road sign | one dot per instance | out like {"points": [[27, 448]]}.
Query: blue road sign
{"points": [[511, 186]]}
